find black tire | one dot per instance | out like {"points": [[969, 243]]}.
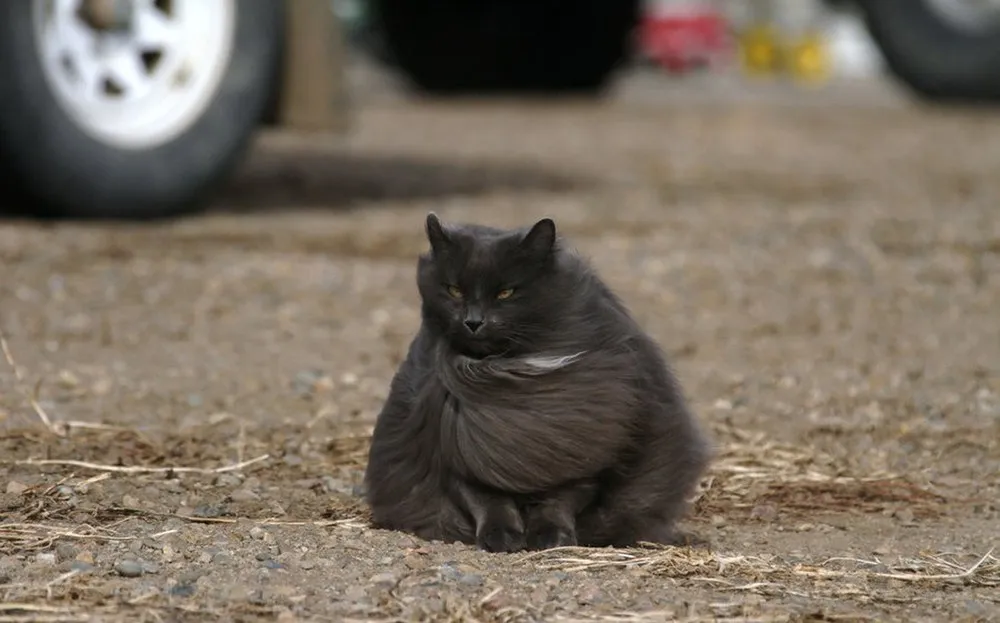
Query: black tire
{"points": [[50, 167], [484, 46], [936, 59]]}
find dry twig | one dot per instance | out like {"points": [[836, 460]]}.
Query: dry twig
{"points": [[139, 469], [59, 430]]}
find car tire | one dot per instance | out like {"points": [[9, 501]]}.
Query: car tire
{"points": [[145, 155], [937, 59], [484, 46]]}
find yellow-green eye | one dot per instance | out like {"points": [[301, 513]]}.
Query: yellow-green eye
{"points": [[505, 293], [455, 292]]}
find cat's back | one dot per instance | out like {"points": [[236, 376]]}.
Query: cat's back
{"points": [[611, 325]]}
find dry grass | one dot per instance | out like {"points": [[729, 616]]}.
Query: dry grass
{"points": [[753, 470]]}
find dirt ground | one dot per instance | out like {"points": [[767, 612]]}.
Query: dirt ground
{"points": [[824, 276]]}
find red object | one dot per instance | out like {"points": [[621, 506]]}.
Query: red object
{"points": [[683, 39]]}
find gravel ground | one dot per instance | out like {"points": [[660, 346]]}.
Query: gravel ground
{"points": [[825, 278]]}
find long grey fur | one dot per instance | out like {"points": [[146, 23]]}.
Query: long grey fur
{"points": [[559, 422]]}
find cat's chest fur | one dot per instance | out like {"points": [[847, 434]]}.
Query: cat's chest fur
{"points": [[526, 424]]}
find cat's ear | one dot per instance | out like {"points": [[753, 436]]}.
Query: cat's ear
{"points": [[435, 233], [541, 238]]}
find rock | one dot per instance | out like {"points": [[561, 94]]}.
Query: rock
{"points": [[16, 488], [460, 574], [356, 594], [335, 485], [68, 380], [82, 567], [305, 381], [223, 559], [86, 557], [228, 480], [45, 558], [257, 533], [183, 590], [129, 501], [415, 561], [349, 379], [129, 568], [190, 576], [209, 511], [168, 553], [307, 564], [243, 495], [384, 580], [150, 567], [764, 512], [65, 551], [590, 593]]}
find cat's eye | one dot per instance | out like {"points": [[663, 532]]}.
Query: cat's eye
{"points": [[454, 292], [506, 293]]}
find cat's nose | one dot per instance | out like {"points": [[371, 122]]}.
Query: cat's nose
{"points": [[473, 324]]}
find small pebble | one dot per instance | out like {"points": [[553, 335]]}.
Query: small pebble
{"points": [[764, 512], [243, 495], [130, 501], [590, 593], [228, 480], [383, 579], [16, 488], [82, 567], [65, 551], [349, 378], [257, 533], [129, 568], [45, 558], [208, 511], [183, 590], [356, 594], [223, 559]]}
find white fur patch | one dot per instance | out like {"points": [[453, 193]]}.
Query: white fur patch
{"points": [[554, 362]]}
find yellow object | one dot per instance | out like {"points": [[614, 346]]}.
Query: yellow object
{"points": [[808, 59], [759, 50]]}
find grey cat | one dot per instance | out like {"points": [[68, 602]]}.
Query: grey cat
{"points": [[531, 410]]}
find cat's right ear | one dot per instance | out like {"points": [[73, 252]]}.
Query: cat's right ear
{"points": [[436, 234]]}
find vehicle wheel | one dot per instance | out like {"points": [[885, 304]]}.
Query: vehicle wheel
{"points": [[138, 119], [545, 46], [942, 49]]}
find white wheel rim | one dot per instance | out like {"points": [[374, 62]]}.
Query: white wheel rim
{"points": [[140, 87]]}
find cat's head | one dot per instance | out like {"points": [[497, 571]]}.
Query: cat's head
{"points": [[489, 291]]}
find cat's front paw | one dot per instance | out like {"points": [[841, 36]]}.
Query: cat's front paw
{"points": [[498, 535], [549, 535]]}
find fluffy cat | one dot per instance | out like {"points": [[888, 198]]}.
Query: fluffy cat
{"points": [[531, 410]]}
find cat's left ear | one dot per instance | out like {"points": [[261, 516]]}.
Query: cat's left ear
{"points": [[436, 234], [541, 239]]}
